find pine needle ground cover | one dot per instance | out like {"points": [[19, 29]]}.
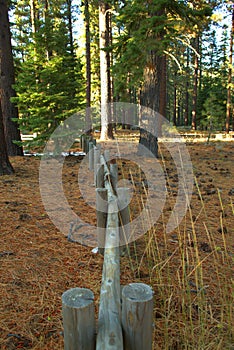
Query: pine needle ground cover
{"points": [[190, 269]]}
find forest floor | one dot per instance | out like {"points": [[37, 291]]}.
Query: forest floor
{"points": [[189, 269]]}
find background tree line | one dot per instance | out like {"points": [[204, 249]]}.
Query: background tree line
{"points": [[162, 54]]}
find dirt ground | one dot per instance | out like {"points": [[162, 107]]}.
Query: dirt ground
{"points": [[38, 263]]}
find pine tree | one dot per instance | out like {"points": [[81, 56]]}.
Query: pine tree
{"points": [[148, 32], [50, 85], [7, 80]]}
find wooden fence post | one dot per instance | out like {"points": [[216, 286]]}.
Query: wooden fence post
{"points": [[82, 141], [123, 194], [101, 210], [91, 155], [109, 321], [97, 154], [137, 316], [114, 176], [107, 155], [99, 175], [78, 319]]}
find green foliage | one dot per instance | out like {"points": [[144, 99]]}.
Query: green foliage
{"points": [[49, 84], [214, 108], [47, 94], [151, 26]]}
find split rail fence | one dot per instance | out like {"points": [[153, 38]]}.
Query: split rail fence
{"points": [[125, 320]]}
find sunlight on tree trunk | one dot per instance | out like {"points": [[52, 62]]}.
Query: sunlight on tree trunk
{"points": [[229, 88], [106, 130], [195, 84], [88, 65]]}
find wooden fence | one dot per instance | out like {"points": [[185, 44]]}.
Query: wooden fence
{"points": [[125, 320]]}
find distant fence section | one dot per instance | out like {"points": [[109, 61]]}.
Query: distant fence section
{"points": [[28, 137], [130, 135], [125, 320]]}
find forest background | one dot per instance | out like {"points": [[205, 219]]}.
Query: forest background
{"points": [[172, 56]]}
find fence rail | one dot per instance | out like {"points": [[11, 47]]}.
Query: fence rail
{"points": [[121, 326]]}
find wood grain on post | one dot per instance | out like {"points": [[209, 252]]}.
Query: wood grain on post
{"points": [[137, 316], [97, 154], [114, 176], [82, 141], [78, 319], [101, 212], [91, 155], [123, 194], [107, 155], [109, 323], [99, 176]]}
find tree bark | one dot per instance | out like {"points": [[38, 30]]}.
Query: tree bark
{"points": [[175, 102], [5, 165], [106, 130], [109, 78], [163, 85], [88, 65], [186, 111], [70, 28], [7, 80], [229, 95], [195, 84], [153, 95]]}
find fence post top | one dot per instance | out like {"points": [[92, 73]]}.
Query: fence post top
{"points": [[137, 292], [77, 297]]}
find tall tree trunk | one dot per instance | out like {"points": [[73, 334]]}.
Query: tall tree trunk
{"points": [[153, 95], [195, 84], [88, 65], [7, 80], [109, 78], [104, 75], [33, 14], [70, 27], [48, 29], [163, 85], [229, 96], [5, 165], [175, 101], [186, 111]]}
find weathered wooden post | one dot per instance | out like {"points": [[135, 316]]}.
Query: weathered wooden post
{"points": [[109, 321], [91, 155], [97, 154], [114, 176], [101, 211], [137, 316], [99, 175], [123, 194], [78, 319], [107, 155], [82, 141]]}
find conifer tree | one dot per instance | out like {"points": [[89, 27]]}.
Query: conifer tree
{"points": [[7, 80], [50, 85]]}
